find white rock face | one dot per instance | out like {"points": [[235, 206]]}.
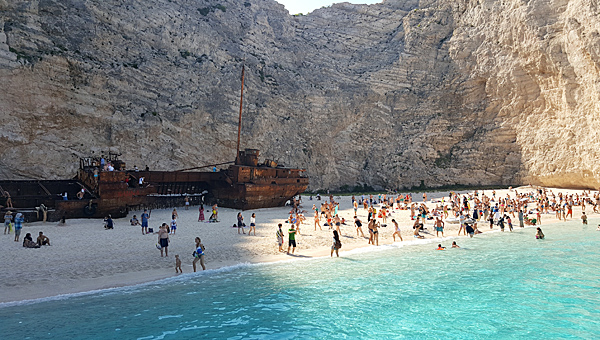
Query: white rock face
{"points": [[398, 94]]}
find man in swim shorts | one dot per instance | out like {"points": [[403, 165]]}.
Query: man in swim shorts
{"points": [[145, 216], [292, 239], [439, 226]]}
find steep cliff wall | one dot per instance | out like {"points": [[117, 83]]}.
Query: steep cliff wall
{"points": [[397, 94]]}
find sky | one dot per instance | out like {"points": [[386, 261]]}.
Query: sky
{"points": [[306, 6]]}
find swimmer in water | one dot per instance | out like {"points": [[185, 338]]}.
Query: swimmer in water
{"points": [[539, 234], [454, 245], [440, 247]]}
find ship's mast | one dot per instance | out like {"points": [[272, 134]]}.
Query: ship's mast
{"points": [[237, 154]]}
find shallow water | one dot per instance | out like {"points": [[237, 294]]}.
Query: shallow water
{"points": [[495, 287]]}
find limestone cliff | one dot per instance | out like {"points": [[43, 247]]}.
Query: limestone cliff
{"points": [[398, 94]]}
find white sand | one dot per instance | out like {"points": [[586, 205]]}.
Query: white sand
{"points": [[85, 257]]}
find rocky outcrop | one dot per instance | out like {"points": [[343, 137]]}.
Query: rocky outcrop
{"points": [[398, 94]]}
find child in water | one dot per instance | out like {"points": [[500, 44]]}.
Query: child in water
{"points": [[539, 234], [440, 247]]}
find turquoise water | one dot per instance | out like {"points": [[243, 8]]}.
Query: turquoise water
{"points": [[496, 287]]}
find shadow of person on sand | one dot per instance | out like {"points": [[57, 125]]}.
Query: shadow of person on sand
{"points": [[296, 255]]}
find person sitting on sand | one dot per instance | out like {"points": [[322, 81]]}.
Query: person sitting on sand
{"points": [[454, 245], [134, 220], [62, 222], [416, 233], [108, 222], [43, 240], [539, 234], [28, 242]]}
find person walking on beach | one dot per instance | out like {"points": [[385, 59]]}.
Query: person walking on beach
{"points": [[252, 224], [358, 225], [279, 234], [145, 217], [201, 213], [174, 214], [199, 254], [396, 230], [337, 244], [163, 239], [291, 239]]}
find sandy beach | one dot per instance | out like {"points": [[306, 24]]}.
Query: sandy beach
{"points": [[84, 256]]}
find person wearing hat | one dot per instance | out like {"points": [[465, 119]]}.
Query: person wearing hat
{"points": [[8, 217], [19, 219]]}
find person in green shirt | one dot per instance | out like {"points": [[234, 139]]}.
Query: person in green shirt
{"points": [[292, 239]]}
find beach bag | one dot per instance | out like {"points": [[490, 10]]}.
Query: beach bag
{"points": [[338, 245], [150, 230]]}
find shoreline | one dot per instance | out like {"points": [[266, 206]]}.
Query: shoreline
{"points": [[156, 279], [43, 290]]}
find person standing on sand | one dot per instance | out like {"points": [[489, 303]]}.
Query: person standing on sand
{"points": [[19, 225], [439, 226], [337, 244], [279, 234], [174, 214], [355, 205], [199, 254], [178, 265], [201, 213], [292, 239], [163, 239], [376, 233], [317, 220], [396, 231], [338, 223], [145, 217], [462, 224], [8, 217], [240, 223], [521, 219], [187, 203], [252, 224], [358, 225]]}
